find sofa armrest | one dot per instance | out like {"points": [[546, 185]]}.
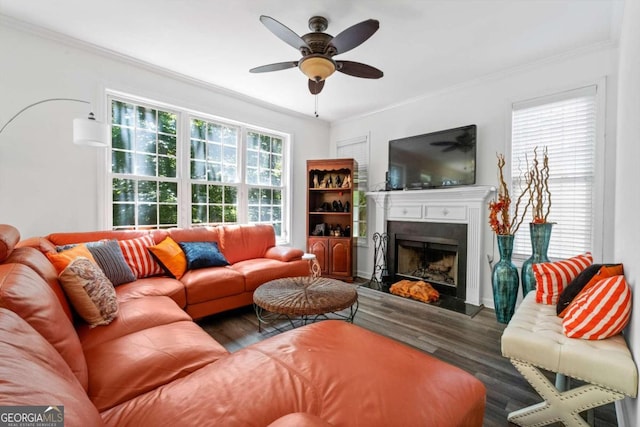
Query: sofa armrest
{"points": [[9, 237], [283, 253], [40, 243]]}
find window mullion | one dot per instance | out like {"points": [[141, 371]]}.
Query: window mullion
{"points": [[243, 193], [184, 175]]}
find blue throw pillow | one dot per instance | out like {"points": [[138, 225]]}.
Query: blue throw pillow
{"points": [[203, 254]]}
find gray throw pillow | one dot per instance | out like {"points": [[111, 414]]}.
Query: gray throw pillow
{"points": [[110, 259]]}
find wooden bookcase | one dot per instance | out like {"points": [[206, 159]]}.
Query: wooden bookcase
{"points": [[330, 216]]}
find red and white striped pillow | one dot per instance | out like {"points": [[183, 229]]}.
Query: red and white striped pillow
{"points": [[552, 277], [599, 312], [138, 257]]}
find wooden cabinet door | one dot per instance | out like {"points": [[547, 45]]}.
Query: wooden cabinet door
{"points": [[320, 249], [340, 257]]}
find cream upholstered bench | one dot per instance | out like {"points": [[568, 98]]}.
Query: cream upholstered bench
{"points": [[534, 339]]}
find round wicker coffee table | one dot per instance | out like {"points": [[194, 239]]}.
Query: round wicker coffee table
{"points": [[303, 300]]}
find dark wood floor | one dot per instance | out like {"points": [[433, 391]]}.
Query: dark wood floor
{"points": [[472, 344]]}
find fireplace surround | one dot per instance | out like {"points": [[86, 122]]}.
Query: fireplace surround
{"points": [[444, 207]]}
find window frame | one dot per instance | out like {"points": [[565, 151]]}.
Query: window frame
{"points": [[183, 175], [361, 188]]}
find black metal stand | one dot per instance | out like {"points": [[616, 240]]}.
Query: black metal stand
{"points": [[379, 260]]}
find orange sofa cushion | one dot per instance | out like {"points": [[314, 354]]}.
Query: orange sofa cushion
{"points": [[153, 286], [25, 293], [261, 270], [134, 315], [33, 371], [141, 361], [211, 283], [320, 369], [196, 234], [242, 242], [38, 262]]}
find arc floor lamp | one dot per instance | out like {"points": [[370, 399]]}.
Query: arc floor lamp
{"points": [[87, 131]]}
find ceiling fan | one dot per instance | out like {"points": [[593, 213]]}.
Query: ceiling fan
{"points": [[318, 49]]}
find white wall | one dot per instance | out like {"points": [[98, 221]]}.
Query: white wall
{"points": [[627, 203], [487, 103], [47, 183]]}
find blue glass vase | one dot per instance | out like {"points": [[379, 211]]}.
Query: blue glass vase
{"points": [[540, 236], [504, 279]]}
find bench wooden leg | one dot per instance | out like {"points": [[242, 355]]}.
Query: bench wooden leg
{"points": [[558, 406]]}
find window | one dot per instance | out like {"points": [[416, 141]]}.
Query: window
{"points": [[213, 164], [264, 179], [566, 125], [214, 173], [358, 149], [143, 163]]}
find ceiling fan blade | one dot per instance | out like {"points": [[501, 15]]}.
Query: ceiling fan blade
{"points": [[354, 36], [443, 143], [358, 69], [274, 67], [315, 87], [284, 33]]}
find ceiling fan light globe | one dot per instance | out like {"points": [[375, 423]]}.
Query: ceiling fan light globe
{"points": [[317, 67]]}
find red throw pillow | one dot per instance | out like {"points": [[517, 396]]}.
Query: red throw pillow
{"points": [[552, 277], [599, 312], [138, 257]]}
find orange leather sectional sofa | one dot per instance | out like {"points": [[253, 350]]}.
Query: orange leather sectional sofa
{"points": [[153, 366]]}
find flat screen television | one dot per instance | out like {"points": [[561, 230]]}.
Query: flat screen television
{"points": [[433, 160]]}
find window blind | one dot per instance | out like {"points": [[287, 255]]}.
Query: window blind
{"points": [[566, 125]]}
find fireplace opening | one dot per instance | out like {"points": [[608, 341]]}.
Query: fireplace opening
{"points": [[433, 260], [432, 252]]}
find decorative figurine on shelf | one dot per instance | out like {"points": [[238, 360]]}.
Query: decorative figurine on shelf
{"points": [[319, 230], [316, 183], [337, 231], [335, 206], [347, 206], [329, 182], [347, 230], [347, 182], [338, 181]]}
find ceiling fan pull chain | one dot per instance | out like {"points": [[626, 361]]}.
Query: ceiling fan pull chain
{"points": [[316, 112]]}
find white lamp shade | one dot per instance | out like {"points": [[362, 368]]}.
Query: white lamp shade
{"points": [[90, 132]]}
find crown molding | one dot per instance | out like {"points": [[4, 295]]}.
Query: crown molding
{"points": [[91, 48], [491, 77]]}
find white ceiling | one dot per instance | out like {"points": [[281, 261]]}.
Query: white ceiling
{"points": [[421, 46]]}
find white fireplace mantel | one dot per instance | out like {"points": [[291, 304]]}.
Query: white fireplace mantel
{"points": [[462, 205]]}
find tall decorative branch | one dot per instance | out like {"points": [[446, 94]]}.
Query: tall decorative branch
{"points": [[500, 209], [537, 180]]}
